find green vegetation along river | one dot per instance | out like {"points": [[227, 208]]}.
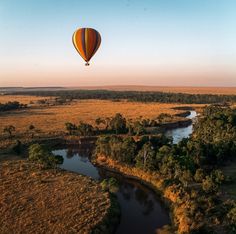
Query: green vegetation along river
{"points": [[141, 210]]}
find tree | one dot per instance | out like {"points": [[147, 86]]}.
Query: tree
{"points": [[11, 106], [218, 176], [231, 215], [107, 123], [9, 129], [85, 129], [208, 185], [161, 152], [116, 147], [199, 175], [129, 125], [103, 146], [138, 128], [43, 157], [70, 127], [118, 124], [215, 134], [146, 157], [99, 121], [170, 167], [128, 151], [186, 177]]}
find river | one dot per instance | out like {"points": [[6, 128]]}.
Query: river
{"points": [[142, 212], [179, 133]]}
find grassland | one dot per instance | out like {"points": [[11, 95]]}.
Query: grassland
{"points": [[53, 118], [24, 99], [48, 201]]}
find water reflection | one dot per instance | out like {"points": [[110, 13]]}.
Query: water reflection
{"points": [[141, 211], [77, 160]]}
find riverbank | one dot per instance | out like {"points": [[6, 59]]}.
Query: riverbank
{"points": [[177, 124], [171, 194], [63, 138], [53, 200]]}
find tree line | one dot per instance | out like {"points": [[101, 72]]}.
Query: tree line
{"points": [[190, 168], [139, 96], [11, 106], [117, 124]]}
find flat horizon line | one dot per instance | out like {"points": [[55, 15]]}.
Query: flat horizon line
{"points": [[105, 86]]}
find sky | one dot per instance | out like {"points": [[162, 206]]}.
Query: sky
{"points": [[151, 42]]}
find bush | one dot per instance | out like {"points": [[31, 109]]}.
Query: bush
{"points": [[110, 185], [43, 157], [208, 185], [232, 219], [199, 175]]}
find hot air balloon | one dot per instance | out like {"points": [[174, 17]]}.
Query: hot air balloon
{"points": [[86, 42]]}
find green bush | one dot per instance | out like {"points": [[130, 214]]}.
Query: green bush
{"points": [[110, 185], [43, 156]]}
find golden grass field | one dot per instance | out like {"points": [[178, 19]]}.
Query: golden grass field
{"points": [[48, 201], [20, 98], [53, 118]]}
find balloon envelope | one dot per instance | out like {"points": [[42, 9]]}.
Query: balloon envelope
{"points": [[86, 42]]}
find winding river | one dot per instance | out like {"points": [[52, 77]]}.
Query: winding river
{"points": [[179, 133], [142, 212]]}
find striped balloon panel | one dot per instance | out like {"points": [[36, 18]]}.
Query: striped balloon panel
{"points": [[86, 42]]}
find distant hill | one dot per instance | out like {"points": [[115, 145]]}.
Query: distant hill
{"points": [[23, 89]]}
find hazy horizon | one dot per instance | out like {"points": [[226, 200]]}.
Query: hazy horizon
{"points": [[150, 43], [118, 86]]}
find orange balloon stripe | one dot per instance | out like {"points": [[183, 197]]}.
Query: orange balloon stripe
{"points": [[78, 43]]}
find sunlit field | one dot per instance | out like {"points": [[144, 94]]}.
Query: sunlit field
{"points": [[53, 118], [24, 99], [65, 202]]}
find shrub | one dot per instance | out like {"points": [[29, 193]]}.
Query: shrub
{"points": [[208, 185], [232, 219], [199, 175], [9, 129], [110, 185], [43, 157]]}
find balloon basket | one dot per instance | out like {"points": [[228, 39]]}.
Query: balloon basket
{"points": [[87, 64]]}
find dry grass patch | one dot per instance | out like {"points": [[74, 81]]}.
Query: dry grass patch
{"points": [[53, 118], [24, 99], [48, 201]]}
